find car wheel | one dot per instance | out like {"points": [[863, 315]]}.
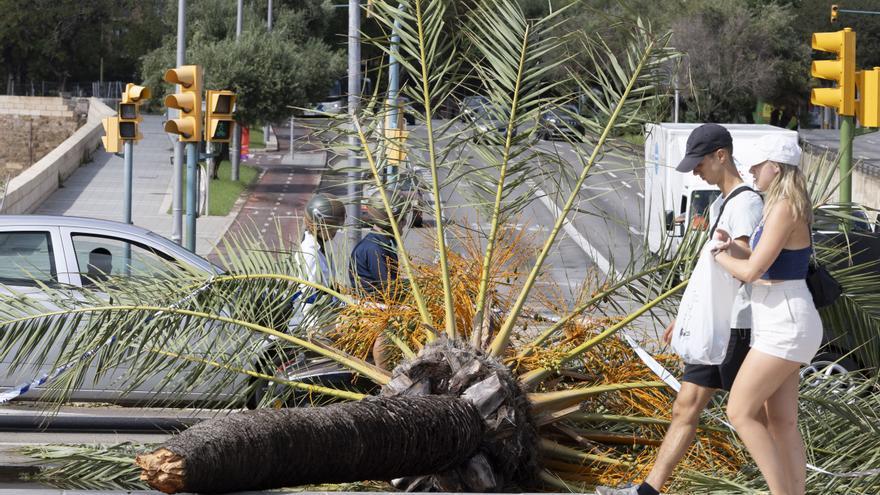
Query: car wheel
{"points": [[831, 365]]}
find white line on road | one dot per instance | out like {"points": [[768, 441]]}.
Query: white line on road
{"points": [[612, 174], [635, 231], [627, 185], [640, 195], [572, 232]]}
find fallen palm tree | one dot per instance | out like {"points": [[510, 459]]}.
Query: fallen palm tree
{"points": [[479, 393]]}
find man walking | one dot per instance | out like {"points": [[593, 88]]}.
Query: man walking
{"points": [[738, 211]]}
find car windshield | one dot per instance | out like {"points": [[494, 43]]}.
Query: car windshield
{"points": [[475, 102], [561, 113]]}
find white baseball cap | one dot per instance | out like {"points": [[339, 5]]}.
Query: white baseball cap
{"points": [[775, 147]]}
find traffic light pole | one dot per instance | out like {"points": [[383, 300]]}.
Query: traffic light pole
{"points": [[847, 131], [192, 185], [393, 90], [128, 151]]}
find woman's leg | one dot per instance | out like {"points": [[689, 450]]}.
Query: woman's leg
{"points": [[782, 412], [759, 379]]}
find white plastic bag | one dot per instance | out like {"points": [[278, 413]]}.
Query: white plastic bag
{"points": [[702, 327]]}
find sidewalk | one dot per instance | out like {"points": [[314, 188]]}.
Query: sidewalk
{"points": [[276, 201], [96, 189]]}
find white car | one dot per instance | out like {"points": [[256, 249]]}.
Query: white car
{"points": [[73, 253]]}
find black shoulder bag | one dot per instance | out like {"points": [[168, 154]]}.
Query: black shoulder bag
{"points": [[823, 287]]}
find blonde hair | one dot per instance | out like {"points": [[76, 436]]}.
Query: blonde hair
{"points": [[790, 184]]}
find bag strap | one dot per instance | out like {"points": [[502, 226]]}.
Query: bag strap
{"points": [[723, 204]]}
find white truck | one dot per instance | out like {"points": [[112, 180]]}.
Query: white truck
{"points": [[675, 201]]}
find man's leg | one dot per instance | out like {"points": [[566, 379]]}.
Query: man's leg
{"points": [[686, 409]]}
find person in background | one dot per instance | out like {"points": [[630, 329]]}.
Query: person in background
{"points": [[374, 258], [786, 328], [324, 216]]}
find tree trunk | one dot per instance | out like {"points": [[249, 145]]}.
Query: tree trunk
{"points": [[377, 438]]}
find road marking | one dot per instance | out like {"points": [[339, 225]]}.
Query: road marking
{"points": [[597, 188], [573, 234], [627, 185], [640, 195], [612, 174], [635, 231]]}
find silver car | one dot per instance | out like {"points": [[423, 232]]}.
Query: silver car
{"points": [[74, 253]]}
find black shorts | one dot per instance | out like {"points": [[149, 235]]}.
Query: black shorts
{"points": [[721, 375]]}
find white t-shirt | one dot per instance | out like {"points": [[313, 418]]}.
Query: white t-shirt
{"points": [[740, 219]]}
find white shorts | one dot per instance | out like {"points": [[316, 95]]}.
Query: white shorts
{"points": [[785, 322]]}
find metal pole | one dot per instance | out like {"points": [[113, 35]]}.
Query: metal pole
{"points": [[269, 18], [210, 163], [177, 182], [354, 89], [268, 28], [192, 191], [235, 151], [847, 127], [393, 90], [127, 150], [291, 137]]}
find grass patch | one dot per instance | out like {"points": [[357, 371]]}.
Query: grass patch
{"points": [[257, 140], [634, 139], [224, 192]]}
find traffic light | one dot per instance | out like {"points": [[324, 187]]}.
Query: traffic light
{"points": [[218, 117], [868, 107], [834, 10], [396, 138], [188, 101], [129, 111], [111, 134], [842, 70]]}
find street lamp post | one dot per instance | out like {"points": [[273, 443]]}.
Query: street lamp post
{"points": [[177, 183], [354, 89], [235, 152]]}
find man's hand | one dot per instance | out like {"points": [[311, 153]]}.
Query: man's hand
{"points": [[667, 334]]}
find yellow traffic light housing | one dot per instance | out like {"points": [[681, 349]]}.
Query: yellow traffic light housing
{"points": [[842, 70], [868, 107], [220, 104], [188, 101], [134, 93], [111, 134], [128, 111], [396, 140], [834, 9]]}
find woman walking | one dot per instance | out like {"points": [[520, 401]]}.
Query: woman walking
{"points": [[786, 329]]}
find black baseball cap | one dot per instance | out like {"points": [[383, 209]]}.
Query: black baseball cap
{"points": [[702, 141]]}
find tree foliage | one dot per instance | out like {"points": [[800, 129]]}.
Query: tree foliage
{"points": [[69, 40], [270, 71]]}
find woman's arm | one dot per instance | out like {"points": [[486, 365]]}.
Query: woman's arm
{"points": [[777, 229]]}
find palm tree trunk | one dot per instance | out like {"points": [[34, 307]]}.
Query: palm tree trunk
{"points": [[373, 439]]}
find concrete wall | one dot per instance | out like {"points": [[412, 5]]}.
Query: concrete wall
{"points": [[866, 185], [30, 188], [31, 127]]}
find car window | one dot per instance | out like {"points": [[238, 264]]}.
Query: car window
{"points": [[101, 257], [26, 257]]}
